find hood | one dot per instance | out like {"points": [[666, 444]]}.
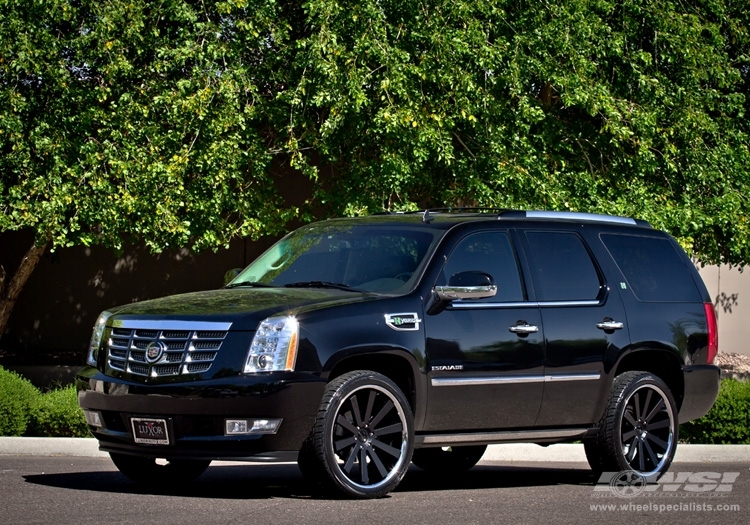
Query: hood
{"points": [[244, 308]]}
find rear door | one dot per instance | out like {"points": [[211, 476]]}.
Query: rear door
{"points": [[584, 325]]}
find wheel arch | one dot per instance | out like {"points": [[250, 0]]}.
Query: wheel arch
{"points": [[398, 365], [661, 362]]}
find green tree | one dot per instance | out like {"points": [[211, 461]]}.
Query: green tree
{"points": [[128, 120], [633, 107], [137, 120]]}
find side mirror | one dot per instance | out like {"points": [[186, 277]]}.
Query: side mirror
{"points": [[231, 274], [467, 285]]}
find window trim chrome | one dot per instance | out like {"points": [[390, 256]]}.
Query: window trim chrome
{"points": [[526, 304], [590, 302]]}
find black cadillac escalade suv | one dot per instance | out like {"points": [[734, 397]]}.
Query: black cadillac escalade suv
{"points": [[362, 345]]}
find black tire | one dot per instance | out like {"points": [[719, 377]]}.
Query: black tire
{"points": [[639, 429], [308, 462], [594, 454], [363, 437], [448, 460], [148, 472]]}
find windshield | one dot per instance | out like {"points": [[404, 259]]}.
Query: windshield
{"points": [[364, 257]]}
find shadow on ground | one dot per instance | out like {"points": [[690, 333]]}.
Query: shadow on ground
{"points": [[244, 482]]}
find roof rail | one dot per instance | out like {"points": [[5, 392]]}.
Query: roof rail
{"points": [[473, 209], [429, 214], [575, 216]]}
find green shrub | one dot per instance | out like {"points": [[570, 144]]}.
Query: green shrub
{"points": [[728, 422], [57, 414], [17, 399]]}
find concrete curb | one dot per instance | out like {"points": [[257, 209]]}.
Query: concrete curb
{"points": [[36, 446], [565, 453], [509, 453]]}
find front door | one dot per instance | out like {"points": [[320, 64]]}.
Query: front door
{"points": [[484, 357]]}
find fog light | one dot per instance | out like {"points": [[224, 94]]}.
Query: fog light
{"points": [[240, 427], [93, 418]]}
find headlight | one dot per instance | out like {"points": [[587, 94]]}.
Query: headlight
{"points": [[96, 338], [274, 347]]}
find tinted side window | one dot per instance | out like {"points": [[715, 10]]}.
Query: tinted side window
{"points": [[652, 267], [492, 253], [561, 267]]}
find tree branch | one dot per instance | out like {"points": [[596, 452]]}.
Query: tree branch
{"points": [[9, 293]]}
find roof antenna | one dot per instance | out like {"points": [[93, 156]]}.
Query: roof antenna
{"points": [[427, 217]]}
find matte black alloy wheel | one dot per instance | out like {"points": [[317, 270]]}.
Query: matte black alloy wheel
{"points": [[639, 429], [148, 471], [363, 436]]}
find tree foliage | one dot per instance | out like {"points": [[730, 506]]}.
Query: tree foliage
{"points": [[135, 119], [126, 119], [628, 107]]}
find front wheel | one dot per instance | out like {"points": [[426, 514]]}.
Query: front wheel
{"points": [[639, 429], [148, 471], [363, 437]]}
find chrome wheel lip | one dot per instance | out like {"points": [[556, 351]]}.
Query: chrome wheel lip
{"points": [[403, 450], [640, 432]]}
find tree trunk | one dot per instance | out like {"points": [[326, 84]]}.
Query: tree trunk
{"points": [[9, 291]]}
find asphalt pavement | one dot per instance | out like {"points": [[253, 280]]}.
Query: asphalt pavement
{"points": [[61, 480], [508, 453]]}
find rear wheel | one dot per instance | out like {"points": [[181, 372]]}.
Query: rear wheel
{"points": [[363, 437], [148, 471], [448, 460], [639, 429]]}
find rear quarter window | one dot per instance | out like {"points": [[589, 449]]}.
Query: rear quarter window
{"points": [[654, 270]]}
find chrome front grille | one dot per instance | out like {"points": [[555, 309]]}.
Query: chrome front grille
{"points": [[164, 348]]}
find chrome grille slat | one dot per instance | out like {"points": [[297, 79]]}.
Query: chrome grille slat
{"points": [[166, 370], [206, 345], [174, 357], [137, 356], [202, 334], [194, 357], [171, 334], [141, 370], [185, 351], [197, 368]]}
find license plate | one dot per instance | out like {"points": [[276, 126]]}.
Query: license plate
{"points": [[149, 431]]}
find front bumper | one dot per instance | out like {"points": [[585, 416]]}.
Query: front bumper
{"points": [[196, 413], [701, 390]]}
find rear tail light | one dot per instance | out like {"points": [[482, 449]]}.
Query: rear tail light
{"points": [[713, 332]]}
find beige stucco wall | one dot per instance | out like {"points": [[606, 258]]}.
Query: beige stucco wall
{"points": [[730, 291]]}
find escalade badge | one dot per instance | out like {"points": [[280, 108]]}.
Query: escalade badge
{"points": [[443, 368], [407, 322], [155, 351]]}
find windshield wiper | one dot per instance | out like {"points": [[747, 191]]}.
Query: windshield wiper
{"points": [[321, 284], [249, 284]]}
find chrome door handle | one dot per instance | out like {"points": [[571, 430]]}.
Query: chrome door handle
{"points": [[524, 329], [610, 324]]}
